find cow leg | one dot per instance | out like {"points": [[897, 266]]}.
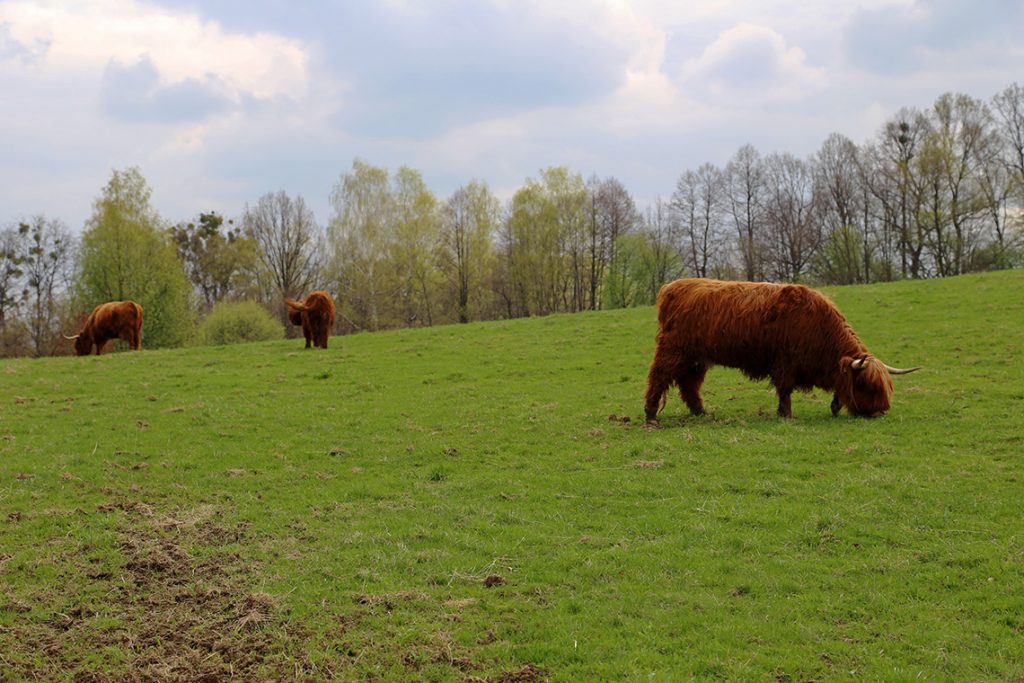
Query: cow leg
{"points": [[309, 336], [836, 405], [785, 401], [659, 378], [690, 378]]}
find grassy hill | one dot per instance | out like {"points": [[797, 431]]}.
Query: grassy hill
{"points": [[470, 502]]}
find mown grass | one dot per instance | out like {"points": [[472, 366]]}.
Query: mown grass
{"points": [[469, 502]]}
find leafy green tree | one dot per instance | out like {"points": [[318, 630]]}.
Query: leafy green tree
{"points": [[126, 254], [544, 244], [839, 261], [358, 237], [382, 241], [625, 282], [415, 235], [221, 263]]}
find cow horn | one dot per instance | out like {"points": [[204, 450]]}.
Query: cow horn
{"points": [[72, 338], [900, 371], [859, 363]]}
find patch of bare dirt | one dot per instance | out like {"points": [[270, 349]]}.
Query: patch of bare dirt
{"points": [[389, 600], [177, 608], [648, 464]]}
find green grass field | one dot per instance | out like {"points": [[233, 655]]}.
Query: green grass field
{"points": [[470, 503]]}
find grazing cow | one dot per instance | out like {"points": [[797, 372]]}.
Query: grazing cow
{"points": [[789, 334], [112, 320], [315, 314]]}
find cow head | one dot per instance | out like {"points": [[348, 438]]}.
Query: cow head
{"points": [[865, 386], [83, 343]]}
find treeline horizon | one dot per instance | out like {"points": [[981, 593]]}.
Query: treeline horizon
{"points": [[936, 192]]}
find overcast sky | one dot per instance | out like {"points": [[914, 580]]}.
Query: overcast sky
{"points": [[220, 102]]}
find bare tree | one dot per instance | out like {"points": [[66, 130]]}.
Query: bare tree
{"points": [[890, 173], [746, 189], [661, 262], [698, 206], [1009, 106], [47, 266], [962, 142], [996, 185], [791, 216], [12, 239], [612, 214], [843, 214], [288, 239]]}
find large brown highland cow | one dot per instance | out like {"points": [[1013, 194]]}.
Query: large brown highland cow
{"points": [[315, 314], [112, 320], [789, 334]]}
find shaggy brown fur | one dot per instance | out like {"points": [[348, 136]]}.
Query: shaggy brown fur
{"points": [[316, 315], [789, 334], [112, 320]]}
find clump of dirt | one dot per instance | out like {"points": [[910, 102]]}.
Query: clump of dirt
{"points": [[493, 580], [528, 672]]}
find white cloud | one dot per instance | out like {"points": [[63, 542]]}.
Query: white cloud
{"points": [[753, 63], [83, 37], [220, 102]]}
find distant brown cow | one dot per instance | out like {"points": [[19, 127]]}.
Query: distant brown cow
{"points": [[315, 315], [112, 320], [789, 334]]}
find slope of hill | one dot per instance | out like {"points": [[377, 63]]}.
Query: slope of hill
{"points": [[472, 502]]}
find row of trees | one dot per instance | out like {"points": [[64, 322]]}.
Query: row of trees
{"points": [[937, 192]]}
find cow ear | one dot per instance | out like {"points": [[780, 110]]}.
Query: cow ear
{"points": [[845, 364]]}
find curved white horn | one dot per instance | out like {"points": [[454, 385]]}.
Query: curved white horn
{"points": [[901, 371], [72, 338], [859, 363]]}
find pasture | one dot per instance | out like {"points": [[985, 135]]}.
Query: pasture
{"points": [[483, 502]]}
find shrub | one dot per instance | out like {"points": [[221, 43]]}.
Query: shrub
{"points": [[238, 322]]}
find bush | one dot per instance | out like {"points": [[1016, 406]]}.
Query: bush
{"points": [[238, 322]]}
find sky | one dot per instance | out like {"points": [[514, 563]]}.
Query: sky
{"points": [[221, 102]]}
